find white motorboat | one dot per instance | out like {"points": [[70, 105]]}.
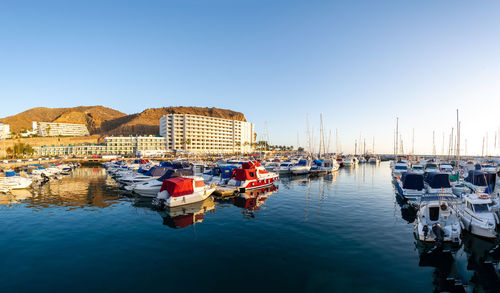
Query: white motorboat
{"points": [[417, 169], [329, 166], [152, 187], [436, 220], [446, 168], [374, 160], [477, 216], [180, 191], [351, 161], [14, 181], [251, 176], [302, 167], [431, 168], [285, 168], [399, 168]]}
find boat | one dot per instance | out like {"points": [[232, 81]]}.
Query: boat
{"points": [[152, 187], [14, 181], [351, 161], [329, 166], [374, 160], [431, 168], [410, 186], [250, 176], [477, 216], [302, 167], [285, 168], [446, 168], [399, 168], [417, 169], [436, 220], [362, 160], [180, 191]]}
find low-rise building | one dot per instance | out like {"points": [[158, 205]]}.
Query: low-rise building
{"points": [[60, 129], [114, 145], [4, 131]]}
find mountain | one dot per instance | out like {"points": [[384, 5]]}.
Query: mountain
{"points": [[92, 116], [107, 121]]}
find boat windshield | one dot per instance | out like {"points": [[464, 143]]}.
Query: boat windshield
{"points": [[285, 165], [417, 168], [481, 208], [429, 166], [401, 168]]}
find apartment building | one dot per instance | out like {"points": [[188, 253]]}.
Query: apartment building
{"points": [[203, 134], [60, 129], [4, 131]]}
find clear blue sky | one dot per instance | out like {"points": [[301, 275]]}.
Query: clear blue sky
{"points": [[360, 63]]}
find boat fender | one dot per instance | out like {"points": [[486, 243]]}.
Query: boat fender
{"points": [[496, 218]]}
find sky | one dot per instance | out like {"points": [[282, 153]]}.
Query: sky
{"points": [[360, 64]]}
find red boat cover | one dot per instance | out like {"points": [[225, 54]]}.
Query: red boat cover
{"points": [[177, 186], [244, 174]]}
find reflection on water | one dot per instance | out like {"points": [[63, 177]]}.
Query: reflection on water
{"points": [[187, 215], [84, 188], [252, 201], [344, 232]]}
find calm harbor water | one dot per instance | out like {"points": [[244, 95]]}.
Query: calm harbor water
{"points": [[341, 233]]}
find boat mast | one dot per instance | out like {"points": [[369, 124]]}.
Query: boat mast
{"points": [[396, 140], [433, 145], [373, 145], [413, 142], [458, 138], [320, 133]]}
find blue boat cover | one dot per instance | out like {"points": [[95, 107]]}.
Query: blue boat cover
{"points": [[157, 171], [176, 173], [166, 164], [10, 173], [476, 177], [318, 162], [412, 181], [438, 180]]}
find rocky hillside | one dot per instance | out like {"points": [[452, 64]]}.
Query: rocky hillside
{"points": [[105, 121], [92, 116]]}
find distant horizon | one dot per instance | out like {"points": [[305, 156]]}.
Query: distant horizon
{"points": [[280, 63]]}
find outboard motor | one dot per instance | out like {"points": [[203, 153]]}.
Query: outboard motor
{"points": [[439, 233], [426, 231]]}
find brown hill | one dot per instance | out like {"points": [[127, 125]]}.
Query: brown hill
{"points": [[92, 116], [106, 121], [148, 121]]}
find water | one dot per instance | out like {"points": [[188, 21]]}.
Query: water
{"points": [[341, 233]]}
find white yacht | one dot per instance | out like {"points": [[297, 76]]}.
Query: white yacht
{"points": [[436, 220], [284, 168], [351, 161], [302, 167], [431, 167], [477, 216]]}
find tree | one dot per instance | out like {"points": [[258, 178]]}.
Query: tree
{"points": [[300, 149]]}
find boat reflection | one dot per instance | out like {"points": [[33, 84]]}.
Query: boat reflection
{"points": [[187, 215], [252, 200], [446, 277], [83, 188], [408, 213], [483, 259]]}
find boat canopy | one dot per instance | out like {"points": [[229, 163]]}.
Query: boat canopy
{"points": [[244, 174], [10, 173], [157, 171], [412, 181], [178, 186], [251, 165], [302, 163], [224, 171], [318, 162], [438, 180], [171, 173], [477, 178]]}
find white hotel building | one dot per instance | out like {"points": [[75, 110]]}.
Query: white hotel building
{"points": [[60, 129], [203, 134]]}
